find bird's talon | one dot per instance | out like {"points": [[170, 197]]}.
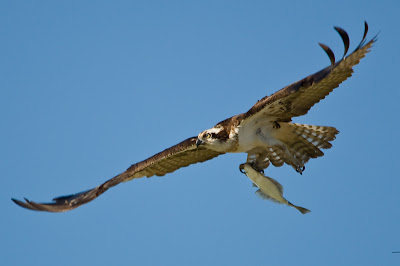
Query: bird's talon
{"points": [[241, 167], [300, 170]]}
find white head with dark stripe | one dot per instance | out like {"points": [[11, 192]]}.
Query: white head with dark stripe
{"points": [[216, 138]]}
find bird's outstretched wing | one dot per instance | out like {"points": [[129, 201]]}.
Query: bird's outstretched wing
{"points": [[167, 161], [297, 98]]}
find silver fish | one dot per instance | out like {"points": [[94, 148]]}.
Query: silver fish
{"points": [[269, 188]]}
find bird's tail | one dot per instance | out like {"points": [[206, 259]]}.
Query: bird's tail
{"points": [[302, 142]]}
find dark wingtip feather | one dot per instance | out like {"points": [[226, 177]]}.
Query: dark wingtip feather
{"points": [[362, 42], [329, 52], [345, 37], [18, 202], [365, 30], [64, 203], [25, 205]]}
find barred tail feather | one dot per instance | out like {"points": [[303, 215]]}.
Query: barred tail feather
{"points": [[302, 142]]}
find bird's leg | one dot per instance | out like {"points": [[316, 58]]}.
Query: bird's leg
{"points": [[258, 167], [276, 125]]}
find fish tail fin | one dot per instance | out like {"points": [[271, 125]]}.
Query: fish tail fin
{"points": [[300, 209]]}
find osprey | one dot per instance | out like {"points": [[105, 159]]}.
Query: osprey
{"points": [[265, 132]]}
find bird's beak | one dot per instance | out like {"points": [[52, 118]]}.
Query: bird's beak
{"points": [[199, 142]]}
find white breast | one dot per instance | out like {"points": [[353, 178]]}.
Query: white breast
{"points": [[256, 133]]}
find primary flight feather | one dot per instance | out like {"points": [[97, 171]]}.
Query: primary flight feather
{"points": [[265, 132]]}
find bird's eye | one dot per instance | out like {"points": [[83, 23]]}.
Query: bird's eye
{"points": [[208, 135]]}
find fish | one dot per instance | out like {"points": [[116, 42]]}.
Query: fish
{"points": [[269, 188]]}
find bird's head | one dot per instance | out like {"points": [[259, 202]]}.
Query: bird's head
{"points": [[215, 138]]}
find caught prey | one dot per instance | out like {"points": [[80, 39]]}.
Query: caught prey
{"points": [[269, 188]]}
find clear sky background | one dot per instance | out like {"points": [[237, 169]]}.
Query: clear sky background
{"points": [[90, 87]]}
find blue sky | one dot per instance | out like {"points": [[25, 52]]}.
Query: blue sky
{"points": [[90, 87]]}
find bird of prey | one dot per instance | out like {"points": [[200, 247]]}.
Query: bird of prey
{"points": [[265, 132]]}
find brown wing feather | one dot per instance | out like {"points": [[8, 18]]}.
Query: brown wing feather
{"points": [[167, 161], [297, 98]]}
